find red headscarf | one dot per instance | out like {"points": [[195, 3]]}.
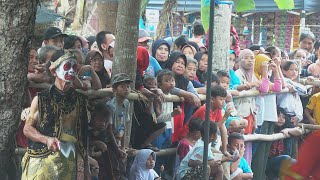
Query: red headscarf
{"points": [[142, 59]]}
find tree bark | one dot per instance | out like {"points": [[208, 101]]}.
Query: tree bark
{"points": [[221, 37], [164, 16], [107, 13], [126, 46], [17, 27]]}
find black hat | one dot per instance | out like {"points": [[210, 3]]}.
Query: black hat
{"points": [[53, 32], [118, 78]]}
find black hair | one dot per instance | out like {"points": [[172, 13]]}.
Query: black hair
{"points": [[223, 73], [255, 47], [213, 128], [70, 40], [280, 110], [309, 35], [180, 41], [218, 90], [233, 136], [91, 40], [147, 78], [101, 108], [272, 50], [195, 124], [317, 45], [101, 38], [287, 65], [214, 78], [295, 52], [282, 53], [198, 29], [164, 73], [194, 44]]}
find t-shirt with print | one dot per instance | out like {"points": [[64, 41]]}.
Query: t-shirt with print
{"points": [[196, 154], [314, 105], [120, 115]]}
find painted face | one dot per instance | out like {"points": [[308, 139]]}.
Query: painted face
{"points": [[167, 83], [190, 71], [203, 63], [179, 67], [150, 162], [292, 72], [67, 70], [188, 52], [162, 53]]}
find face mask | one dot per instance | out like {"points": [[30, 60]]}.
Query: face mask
{"points": [[67, 70]]}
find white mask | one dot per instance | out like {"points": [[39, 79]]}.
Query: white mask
{"points": [[67, 70]]}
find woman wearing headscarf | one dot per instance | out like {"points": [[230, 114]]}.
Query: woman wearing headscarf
{"points": [[95, 60], [202, 58], [264, 67], [177, 63], [161, 51]]}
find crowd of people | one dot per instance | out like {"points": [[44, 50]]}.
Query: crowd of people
{"points": [[165, 67]]}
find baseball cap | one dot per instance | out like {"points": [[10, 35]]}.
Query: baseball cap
{"points": [[53, 32], [121, 77], [143, 36]]}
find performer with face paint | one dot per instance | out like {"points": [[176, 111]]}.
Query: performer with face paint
{"points": [[57, 128]]}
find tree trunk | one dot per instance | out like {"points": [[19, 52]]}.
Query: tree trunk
{"points": [[126, 46], [17, 27], [79, 16], [164, 16], [221, 37], [107, 13]]}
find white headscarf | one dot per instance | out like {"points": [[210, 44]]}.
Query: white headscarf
{"points": [[139, 170]]}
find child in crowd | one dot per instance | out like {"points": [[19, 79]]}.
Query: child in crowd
{"points": [[191, 70], [233, 123], [301, 56], [291, 102], [86, 74], [102, 143], [277, 153], [191, 165], [239, 169], [202, 58], [146, 128], [189, 141], [312, 110], [189, 50], [54, 36], [218, 97], [143, 164], [120, 115]]}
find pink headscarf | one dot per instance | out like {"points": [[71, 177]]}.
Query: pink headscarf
{"points": [[247, 73]]}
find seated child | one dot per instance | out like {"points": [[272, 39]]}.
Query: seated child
{"points": [[101, 139], [233, 123], [143, 164], [191, 165], [146, 127], [239, 169], [188, 142]]}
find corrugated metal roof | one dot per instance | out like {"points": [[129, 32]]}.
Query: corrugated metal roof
{"points": [[194, 5]]}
